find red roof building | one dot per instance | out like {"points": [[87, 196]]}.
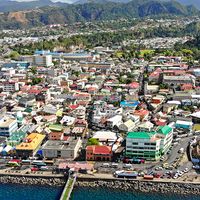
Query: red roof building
{"points": [[99, 153], [143, 114], [133, 85], [186, 87]]}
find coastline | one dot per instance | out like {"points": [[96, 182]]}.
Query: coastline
{"points": [[161, 186], [140, 185], [32, 179]]}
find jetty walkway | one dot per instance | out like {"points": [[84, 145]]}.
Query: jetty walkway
{"points": [[68, 188]]}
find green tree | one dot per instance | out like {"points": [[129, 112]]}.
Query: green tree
{"points": [[33, 70], [92, 141], [14, 55], [36, 80]]}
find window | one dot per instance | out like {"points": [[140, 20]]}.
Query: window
{"points": [[152, 144]]}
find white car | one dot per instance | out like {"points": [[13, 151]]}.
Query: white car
{"points": [[162, 158], [175, 176], [186, 170], [127, 166], [180, 173]]}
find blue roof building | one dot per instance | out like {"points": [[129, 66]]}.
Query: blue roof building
{"points": [[129, 104]]}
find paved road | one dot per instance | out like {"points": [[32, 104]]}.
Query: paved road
{"points": [[182, 144]]}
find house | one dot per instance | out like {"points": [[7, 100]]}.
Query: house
{"points": [[80, 128], [54, 135], [155, 76], [105, 137], [27, 101], [151, 89], [30, 145], [99, 153], [149, 145], [146, 126], [114, 121], [67, 149], [127, 126], [143, 114]]}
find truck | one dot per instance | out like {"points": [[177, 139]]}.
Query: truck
{"points": [[132, 175]]}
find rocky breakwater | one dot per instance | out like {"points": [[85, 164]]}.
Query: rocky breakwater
{"points": [[143, 186], [32, 180]]}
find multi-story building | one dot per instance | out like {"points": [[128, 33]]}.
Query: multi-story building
{"points": [[42, 60], [10, 86], [30, 145], [67, 149], [149, 145], [178, 80], [8, 125]]}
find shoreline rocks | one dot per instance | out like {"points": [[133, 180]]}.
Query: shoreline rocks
{"points": [[142, 186], [32, 180]]}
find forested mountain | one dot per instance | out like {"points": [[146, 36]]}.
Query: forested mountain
{"points": [[93, 11]]}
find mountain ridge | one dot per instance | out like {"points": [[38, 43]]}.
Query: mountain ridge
{"points": [[92, 11]]}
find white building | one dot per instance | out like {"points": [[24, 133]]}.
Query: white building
{"points": [[114, 121], [42, 60], [105, 137], [127, 126], [7, 126]]}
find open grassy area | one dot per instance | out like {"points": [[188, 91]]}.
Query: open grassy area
{"points": [[146, 51]]}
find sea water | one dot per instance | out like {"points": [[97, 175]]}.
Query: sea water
{"points": [[29, 192]]}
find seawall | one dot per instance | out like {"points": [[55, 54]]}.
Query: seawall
{"points": [[33, 180], [140, 185]]}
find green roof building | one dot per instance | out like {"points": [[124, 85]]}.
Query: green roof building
{"points": [[56, 127], [17, 136], [149, 145]]}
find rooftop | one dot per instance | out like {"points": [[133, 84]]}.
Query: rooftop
{"points": [[99, 149], [31, 142], [140, 135], [56, 127], [70, 144], [6, 121], [164, 130]]}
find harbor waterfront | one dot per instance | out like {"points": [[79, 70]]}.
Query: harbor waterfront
{"points": [[89, 181], [104, 188]]}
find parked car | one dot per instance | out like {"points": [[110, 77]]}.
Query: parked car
{"points": [[34, 169], [44, 168]]}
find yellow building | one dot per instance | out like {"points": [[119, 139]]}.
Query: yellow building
{"points": [[30, 145]]}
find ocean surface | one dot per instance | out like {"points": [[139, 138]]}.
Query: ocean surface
{"points": [[107, 194], [29, 192]]}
